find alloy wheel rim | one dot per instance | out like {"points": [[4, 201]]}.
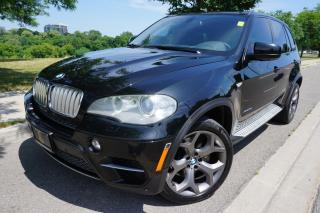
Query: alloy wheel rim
{"points": [[294, 102], [198, 164]]}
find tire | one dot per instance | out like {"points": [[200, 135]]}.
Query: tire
{"points": [[290, 108], [213, 154]]}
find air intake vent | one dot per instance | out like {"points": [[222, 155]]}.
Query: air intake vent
{"points": [[40, 91], [65, 100]]}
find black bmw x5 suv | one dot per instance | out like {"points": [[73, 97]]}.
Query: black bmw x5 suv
{"points": [[161, 115]]}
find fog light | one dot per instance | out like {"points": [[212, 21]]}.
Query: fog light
{"points": [[95, 145]]}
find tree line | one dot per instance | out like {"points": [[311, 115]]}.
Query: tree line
{"points": [[24, 43]]}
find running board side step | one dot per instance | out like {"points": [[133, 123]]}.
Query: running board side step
{"points": [[246, 127]]}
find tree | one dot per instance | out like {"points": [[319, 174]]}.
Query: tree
{"points": [[25, 43], [9, 51], [2, 31], [290, 20], [24, 11], [42, 51], [26, 38], [69, 49], [317, 24], [122, 39], [81, 51], [186, 6], [309, 20]]}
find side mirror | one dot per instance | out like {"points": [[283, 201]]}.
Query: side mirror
{"points": [[131, 39], [265, 51]]}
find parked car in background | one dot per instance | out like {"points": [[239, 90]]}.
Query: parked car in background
{"points": [[161, 116]]}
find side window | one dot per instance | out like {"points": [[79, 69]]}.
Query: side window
{"points": [[292, 42], [260, 31], [279, 36]]}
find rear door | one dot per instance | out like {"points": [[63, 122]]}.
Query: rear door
{"points": [[283, 65], [258, 87]]}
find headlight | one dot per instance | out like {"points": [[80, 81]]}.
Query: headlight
{"points": [[135, 109]]}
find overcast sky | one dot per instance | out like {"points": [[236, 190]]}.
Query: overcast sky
{"points": [[111, 17]]}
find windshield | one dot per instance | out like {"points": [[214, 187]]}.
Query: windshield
{"points": [[219, 33]]}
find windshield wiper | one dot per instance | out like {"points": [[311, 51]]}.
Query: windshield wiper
{"points": [[133, 45], [175, 48]]}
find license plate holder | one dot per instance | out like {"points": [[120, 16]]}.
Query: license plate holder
{"points": [[43, 138]]}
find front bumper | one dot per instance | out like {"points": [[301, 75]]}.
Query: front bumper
{"points": [[128, 162]]}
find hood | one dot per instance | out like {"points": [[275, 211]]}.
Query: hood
{"points": [[107, 71]]}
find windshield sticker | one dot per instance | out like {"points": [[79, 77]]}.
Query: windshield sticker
{"points": [[240, 23]]}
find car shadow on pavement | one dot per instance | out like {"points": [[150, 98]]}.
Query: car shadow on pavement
{"points": [[76, 189], [84, 192]]}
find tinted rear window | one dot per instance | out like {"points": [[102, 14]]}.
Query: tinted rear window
{"points": [[279, 35], [292, 42]]}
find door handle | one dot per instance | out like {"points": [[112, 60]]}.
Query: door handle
{"points": [[276, 69]]}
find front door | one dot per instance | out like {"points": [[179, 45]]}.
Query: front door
{"points": [[258, 88]]}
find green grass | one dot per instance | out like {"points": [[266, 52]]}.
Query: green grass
{"points": [[11, 123], [17, 75], [309, 58], [306, 57]]}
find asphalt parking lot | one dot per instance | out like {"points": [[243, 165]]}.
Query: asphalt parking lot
{"points": [[33, 182]]}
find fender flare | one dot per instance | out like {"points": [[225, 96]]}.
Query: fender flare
{"points": [[193, 118], [297, 78]]}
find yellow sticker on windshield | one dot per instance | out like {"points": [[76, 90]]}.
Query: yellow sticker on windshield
{"points": [[240, 23]]}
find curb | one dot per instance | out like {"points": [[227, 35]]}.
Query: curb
{"points": [[290, 178], [316, 205]]}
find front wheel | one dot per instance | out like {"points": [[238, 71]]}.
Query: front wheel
{"points": [[201, 164]]}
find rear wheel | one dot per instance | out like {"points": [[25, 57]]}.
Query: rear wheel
{"points": [[288, 112], [201, 164]]}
